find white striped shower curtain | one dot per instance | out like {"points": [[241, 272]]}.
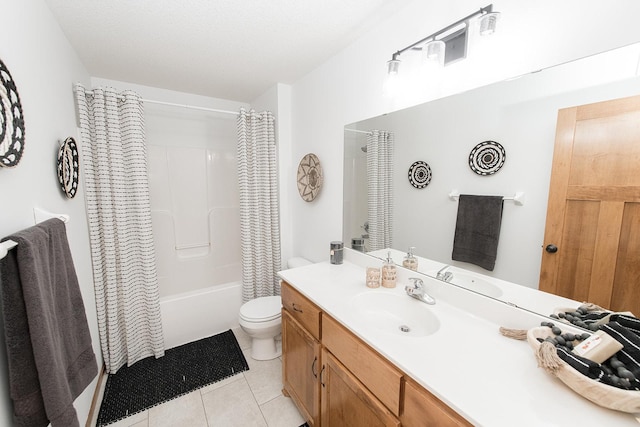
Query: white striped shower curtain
{"points": [[259, 214], [119, 214], [380, 189]]}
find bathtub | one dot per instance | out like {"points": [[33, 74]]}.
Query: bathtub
{"points": [[198, 314]]}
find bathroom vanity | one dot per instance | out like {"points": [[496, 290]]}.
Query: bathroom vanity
{"points": [[355, 356]]}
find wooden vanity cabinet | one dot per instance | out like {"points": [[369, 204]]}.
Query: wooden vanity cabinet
{"points": [[346, 402], [300, 368], [421, 408], [301, 358]]}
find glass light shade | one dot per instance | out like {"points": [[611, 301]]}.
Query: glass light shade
{"points": [[434, 51], [392, 66], [488, 23]]}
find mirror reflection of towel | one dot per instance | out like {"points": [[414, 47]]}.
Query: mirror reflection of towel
{"points": [[477, 230]]}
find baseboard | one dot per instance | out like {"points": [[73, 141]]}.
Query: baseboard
{"points": [[92, 418]]}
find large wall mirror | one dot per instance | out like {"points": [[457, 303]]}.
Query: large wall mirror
{"points": [[520, 114]]}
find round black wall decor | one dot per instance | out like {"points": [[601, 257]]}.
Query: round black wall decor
{"points": [[11, 120], [68, 167], [487, 158], [420, 174]]}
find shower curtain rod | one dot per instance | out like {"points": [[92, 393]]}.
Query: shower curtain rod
{"points": [[173, 104], [192, 107]]}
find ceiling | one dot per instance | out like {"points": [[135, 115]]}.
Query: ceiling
{"points": [[230, 49]]}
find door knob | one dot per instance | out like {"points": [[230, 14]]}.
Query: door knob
{"points": [[552, 249]]}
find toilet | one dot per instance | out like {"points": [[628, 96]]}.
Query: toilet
{"points": [[261, 319]]}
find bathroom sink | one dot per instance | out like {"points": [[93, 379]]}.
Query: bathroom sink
{"points": [[475, 283], [396, 314]]}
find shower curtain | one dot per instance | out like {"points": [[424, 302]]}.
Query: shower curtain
{"points": [[380, 189], [259, 215], [119, 215]]}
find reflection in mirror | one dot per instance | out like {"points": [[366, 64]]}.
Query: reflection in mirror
{"points": [[521, 115]]}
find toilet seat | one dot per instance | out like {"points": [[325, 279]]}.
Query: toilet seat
{"points": [[261, 309]]}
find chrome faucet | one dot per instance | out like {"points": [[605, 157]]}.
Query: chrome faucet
{"points": [[418, 292], [444, 275]]}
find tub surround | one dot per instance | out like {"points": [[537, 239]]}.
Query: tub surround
{"points": [[486, 378]]}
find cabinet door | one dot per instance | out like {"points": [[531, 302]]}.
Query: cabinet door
{"points": [[423, 409], [300, 367], [346, 402]]}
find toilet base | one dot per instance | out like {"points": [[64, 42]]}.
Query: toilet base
{"points": [[265, 349]]}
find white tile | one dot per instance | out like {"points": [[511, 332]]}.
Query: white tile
{"points": [[221, 383], [244, 340], [233, 405], [281, 412], [264, 378], [186, 410]]}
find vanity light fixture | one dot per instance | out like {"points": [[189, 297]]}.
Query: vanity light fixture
{"points": [[488, 23], [446, 45], [434, 51]]}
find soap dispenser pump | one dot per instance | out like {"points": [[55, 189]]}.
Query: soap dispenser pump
{"points": [[410, 261], [389, 272]]}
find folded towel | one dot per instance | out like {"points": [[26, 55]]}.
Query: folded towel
{"points": [[477, 230], [49, 350]]}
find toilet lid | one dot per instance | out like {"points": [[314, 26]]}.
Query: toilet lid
{"points": [[261, 309]]}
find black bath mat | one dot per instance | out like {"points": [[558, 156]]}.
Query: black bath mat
{"points": [[181, 370]]}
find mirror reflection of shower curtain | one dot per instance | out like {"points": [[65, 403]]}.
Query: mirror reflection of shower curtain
{"points": [[259, 212], [119, 215], [380, 189]]}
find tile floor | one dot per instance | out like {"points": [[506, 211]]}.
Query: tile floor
{"points": [[251, 398]]}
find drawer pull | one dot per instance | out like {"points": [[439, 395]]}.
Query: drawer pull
{"points": [[321, 372], [313, 367], [293, 305]]}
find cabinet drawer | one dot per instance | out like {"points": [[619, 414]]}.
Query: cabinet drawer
{"points": [[377, 374], [421, 408], [301, 309]]}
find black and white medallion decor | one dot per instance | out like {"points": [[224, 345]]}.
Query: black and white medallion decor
{"points": [[487, 158], [68, 167], [11, 120], [420, 174]]}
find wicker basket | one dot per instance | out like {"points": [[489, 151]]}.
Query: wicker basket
{"points": [[599, 393]]}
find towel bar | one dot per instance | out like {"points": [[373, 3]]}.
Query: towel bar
{"points": [[40, 215], [517, 198], [5, 246]]}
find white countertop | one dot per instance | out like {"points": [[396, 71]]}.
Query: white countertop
{"points": [[489, 379]]}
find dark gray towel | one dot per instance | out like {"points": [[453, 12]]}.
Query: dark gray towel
{"points": [[477, 230], [47, 337]]}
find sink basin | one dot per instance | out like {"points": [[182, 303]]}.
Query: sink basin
{"points": [[474, 283], [395, 314]]}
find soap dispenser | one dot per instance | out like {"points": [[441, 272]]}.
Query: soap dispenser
{"points": [[389, 272], [410, 261]]}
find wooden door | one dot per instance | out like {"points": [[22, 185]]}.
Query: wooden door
{"points": [[300, 368], [591, 250], [346, 402]]}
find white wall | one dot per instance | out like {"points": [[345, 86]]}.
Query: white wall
{"points": [[44, 68], [349, 86], [278, 101]]}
